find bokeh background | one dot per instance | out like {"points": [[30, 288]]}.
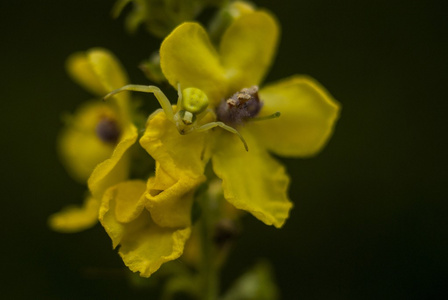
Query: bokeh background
{"points": [[370, 216]]}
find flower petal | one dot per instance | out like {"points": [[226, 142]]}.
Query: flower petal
{"points": [[308, 114], [175, 152], [144, 245], [97, 70], [74, 218], [147, 246], [121, 204], [116, 168], [247, 49], [180, 166], [111, 74], [188, 57], [252, 180], [81, 71], [170, 200], [129, 200], [79, 146]]}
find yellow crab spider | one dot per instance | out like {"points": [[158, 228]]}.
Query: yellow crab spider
{"points": [[192, 106]]}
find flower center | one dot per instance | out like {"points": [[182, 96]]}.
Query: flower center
{"points": [[242, 106], [108, 130]]}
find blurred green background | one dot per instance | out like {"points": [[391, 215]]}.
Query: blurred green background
{"points": [[370, 216]]}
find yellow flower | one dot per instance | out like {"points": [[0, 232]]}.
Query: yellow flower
{"points": [[96, 137], [253, 181], [152, 221], [135, 215], [144, 246]]}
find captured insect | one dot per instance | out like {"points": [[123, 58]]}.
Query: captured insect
{"points": [[192, 107]]}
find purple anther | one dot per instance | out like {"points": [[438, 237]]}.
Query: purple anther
{"points": [[108, 130], [242, 106]]}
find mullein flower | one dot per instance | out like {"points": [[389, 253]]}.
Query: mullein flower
{"points": [[96, 136], [252, 180], [134, 213], [228, 12], [144, 245], [159, 220]]}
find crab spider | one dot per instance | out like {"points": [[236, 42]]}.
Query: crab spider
{"points": [[191, 107]]}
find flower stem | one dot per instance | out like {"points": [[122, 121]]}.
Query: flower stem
{"points": [[209, 268]]}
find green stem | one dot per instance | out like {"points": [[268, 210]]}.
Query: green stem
{"points": [[209, 269]]}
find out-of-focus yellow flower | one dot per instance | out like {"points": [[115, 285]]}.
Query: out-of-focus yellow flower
{"points": [[96, 137]]}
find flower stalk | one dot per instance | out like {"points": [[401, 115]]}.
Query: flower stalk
{"points": [[150, 215], [209, 269]]}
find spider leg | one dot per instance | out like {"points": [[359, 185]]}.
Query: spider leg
{"points": [[223, 126], [179, 96], [163, 100]]}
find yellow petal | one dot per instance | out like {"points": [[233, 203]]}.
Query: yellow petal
{"points": [[188, 57], [308, 115], [79, 146], [253, 180], [110, 73], [144, 245], [247, 49], [121, 204], [180, 166], [97, 70], [129, 200], [171, 206], [74, 218], [81, 71], [175, 152], [147, 246], [116, 168]]}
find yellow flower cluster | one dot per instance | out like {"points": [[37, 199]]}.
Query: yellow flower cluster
{"points": [[151, 221], [96, 138]]}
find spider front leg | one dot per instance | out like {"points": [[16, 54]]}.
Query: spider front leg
{"points": [[223, 126], [163, 100]]}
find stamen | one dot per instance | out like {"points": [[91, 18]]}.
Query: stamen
{"points": [[231, 102], [273, 116], [242, 106]]}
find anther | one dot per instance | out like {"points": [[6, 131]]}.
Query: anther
{"points": [[242, 106], [108, 130], [231, 102]]}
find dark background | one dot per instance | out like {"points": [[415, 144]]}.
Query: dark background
{"points": [[370, 216]]}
